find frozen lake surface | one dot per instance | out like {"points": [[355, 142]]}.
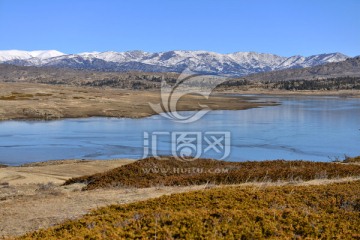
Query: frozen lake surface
{"points": [[308, 128]]}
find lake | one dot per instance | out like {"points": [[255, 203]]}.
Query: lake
{"points": [[301, 128]]}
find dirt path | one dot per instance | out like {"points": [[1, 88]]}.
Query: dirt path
{"points": [[55, 204], [56, 171], [28, 202]]}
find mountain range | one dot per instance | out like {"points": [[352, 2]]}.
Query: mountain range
{"points": [[348, 68], [204, 62]]}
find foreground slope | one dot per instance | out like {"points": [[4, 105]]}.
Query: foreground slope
{"points": [[288, 212], [31, 203]]}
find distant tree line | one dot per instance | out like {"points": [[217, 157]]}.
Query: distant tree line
{"points": [[150, 80], [339, 83]]}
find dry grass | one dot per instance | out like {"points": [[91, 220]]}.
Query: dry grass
{"points": [[26, 208], [287, 212], [17, 96], [40, 101], [31, 202], [35, 200], [56, 171], [170, 172], [352, 160]]}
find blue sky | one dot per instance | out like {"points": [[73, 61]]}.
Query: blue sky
{"points": [[282, 27]]}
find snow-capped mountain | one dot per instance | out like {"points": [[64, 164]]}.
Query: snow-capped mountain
{"points": [[26, 55], [28, 58], [239, 63]]}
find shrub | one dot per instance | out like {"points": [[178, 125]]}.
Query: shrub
{"points": [[288, 212], [170, 172], [352, 160]]}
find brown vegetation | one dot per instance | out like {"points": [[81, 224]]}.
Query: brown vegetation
{"points": [[41, 101], [287, 212], [55, 171], [17, 96], [29, 193], [352, 160], [171, 172]]}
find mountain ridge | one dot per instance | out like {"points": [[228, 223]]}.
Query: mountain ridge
{"points": [[204, 62], [348, 68], [343, 75]]}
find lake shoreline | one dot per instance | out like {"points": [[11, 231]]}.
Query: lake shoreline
{"points": [[37, 102], [310, 93], [26, 101]]}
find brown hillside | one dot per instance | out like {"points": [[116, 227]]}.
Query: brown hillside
{"points": [[171, 172]]}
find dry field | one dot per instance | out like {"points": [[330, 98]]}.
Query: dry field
{"points": [[46, 102], [31, 196]]}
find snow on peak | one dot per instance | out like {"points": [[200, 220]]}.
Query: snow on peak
{"points": [[8, 55], [46, 54], [238, 63]]}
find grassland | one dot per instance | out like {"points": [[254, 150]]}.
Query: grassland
{"points": [[287, 212], [47, 102], [55, 171], [352, 160], [170, 172]]}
